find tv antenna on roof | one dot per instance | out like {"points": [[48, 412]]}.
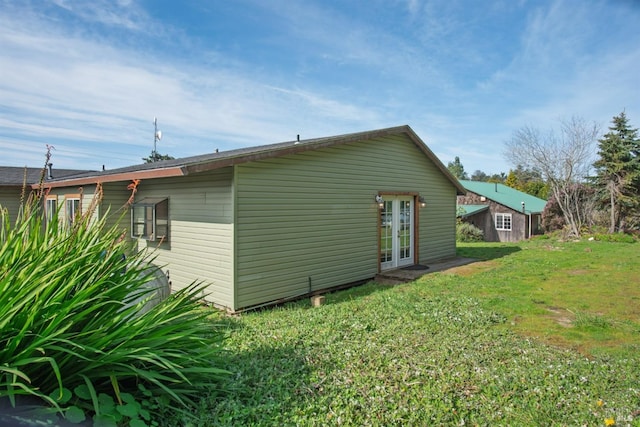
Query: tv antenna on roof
{"points": [[157, 136]]}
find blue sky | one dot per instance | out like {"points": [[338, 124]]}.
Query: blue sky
{"points": [[88, 77]]}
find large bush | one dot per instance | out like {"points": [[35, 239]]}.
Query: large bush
{"points": [[466, 232], [73, 337], [552, 217]]}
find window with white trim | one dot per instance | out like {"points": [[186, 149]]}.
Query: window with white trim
{"points": [[72, 208], [503, 221], [150, 219], [50, 208]]}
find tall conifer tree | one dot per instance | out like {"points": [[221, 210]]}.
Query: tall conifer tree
{"points": [[457, 169], [618, 172]]}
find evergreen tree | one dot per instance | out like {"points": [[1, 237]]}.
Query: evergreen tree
{"points": [[457, 169], [156, 157], [618, 172]]}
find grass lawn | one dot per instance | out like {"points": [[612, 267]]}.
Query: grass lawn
{"points": [[538, 333]]}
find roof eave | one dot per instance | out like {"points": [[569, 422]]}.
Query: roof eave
{"points": [[298, 147], [292, 148], [117, 177]]}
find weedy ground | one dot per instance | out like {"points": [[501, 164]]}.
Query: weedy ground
{"points": [[538, 333]]}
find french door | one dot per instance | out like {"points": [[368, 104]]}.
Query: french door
{"points": [[396, 232]]}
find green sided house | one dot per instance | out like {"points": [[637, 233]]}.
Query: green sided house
{"points": [[503, 213], [281, 221], [15, 182]]}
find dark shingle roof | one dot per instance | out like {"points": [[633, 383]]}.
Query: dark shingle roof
{"points": [[187, 165], [15, 176], [244, 154]]}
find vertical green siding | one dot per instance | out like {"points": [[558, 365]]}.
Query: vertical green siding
{"points": [[114, 199], [200, 246], [309, 221], [437, 220], [10, 200]]}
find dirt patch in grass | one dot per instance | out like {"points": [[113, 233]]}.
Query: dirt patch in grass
{"points": [[561, 316], [473, 268], [577, 272]]}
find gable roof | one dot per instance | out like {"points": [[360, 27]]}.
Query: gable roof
{"points": [[507, 196], [465, 211], [188, 165], [16, 176]]}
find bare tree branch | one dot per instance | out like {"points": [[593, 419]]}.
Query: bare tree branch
{"points": [[564, 160]]}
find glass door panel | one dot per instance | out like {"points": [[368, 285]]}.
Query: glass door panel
{"points": [[386, 234], [405, 232], [396, 232]]}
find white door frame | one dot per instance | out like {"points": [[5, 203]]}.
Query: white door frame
{"points": [[397, 232]]}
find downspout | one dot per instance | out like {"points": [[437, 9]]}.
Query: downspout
{"points": [[527, 233]]}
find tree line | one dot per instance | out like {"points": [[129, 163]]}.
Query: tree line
{"points": [[588, 179]]}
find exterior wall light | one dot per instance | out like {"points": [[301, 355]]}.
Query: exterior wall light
{"points": [[380, 201], [423, 203]]}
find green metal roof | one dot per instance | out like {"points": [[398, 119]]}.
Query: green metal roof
{"points": [[506, 196], [468, 210]]}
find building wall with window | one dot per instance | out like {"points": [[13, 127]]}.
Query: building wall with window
{"points": [[265, 224], [16, 186], [70, 201], [199, 246], [274, 229], [493, 222]]}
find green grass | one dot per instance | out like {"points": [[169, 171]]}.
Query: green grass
{"points": [[478, 345], [538, 333], [581, 295]]}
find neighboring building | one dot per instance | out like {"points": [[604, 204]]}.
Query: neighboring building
{"points": [[503, 213], [281, 221], [15, 184]]}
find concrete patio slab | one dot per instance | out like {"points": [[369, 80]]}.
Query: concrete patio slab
{"points": [[408, 274]]}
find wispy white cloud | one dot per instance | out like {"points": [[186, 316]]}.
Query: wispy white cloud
{"points": [[573, 59], [357, 42], [88, 77], [119, 13], [573, 69], [63, 88]]}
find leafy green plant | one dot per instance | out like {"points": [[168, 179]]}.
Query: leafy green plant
{"points": [[466, 232], [70, 319], [130, 410]]}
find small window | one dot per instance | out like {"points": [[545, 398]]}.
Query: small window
{"points": [[50, 209], [72, 208], [503, 221], [150, 219]]}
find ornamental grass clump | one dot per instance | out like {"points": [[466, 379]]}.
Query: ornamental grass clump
{"points": [[72, 332]]}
